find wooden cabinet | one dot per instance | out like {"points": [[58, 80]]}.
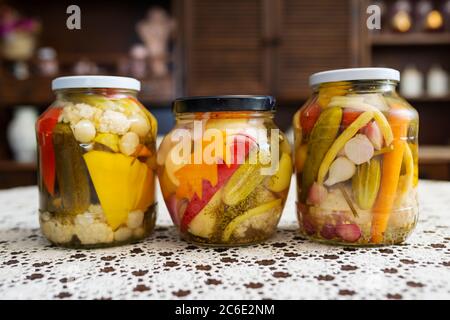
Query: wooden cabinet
{"points": [[262, 46], [224, 46], [314, 36]]}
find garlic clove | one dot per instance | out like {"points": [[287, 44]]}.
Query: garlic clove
{"points": [[373, 132], [341, 170], [359, 149]]}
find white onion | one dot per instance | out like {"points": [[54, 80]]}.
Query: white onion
{"points": [[84, 131], [128, 143]]}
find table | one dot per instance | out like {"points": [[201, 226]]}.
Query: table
{"points": [[163, 267]]}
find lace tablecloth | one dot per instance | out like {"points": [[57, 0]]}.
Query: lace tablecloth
{"points": [[163, 267]]}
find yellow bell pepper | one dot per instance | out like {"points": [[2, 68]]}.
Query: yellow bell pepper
{"points": [[108, 139], [122, 183]]}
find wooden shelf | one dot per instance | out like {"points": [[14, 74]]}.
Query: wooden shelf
{"points": [[37, 91], [13, 166], [428, 99], [410, 39], [434, 154]]}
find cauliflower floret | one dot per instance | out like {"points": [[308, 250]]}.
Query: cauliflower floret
{"points": [[85, 111], [70, 114], [113, 122], [55, 230], [73, 113], [334, 201], [91, 231], [123, 234], [135, 219], [264, 222], [97, 210]]}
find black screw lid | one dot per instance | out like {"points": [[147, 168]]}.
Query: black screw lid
{"points": [[224, 103]]}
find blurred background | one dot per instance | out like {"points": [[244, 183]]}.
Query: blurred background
{"points": [[210, 47]]}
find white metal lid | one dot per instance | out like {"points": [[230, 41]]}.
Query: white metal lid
{"points": [[96, 82], [354, 74]]}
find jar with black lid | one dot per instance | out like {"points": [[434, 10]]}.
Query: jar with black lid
{"points": [[225, 169]]}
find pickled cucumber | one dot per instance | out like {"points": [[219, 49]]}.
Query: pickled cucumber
{"points": [[71, 171], [366, 182], [282, 178], [322, 137], [246, 178], [254, 218]]}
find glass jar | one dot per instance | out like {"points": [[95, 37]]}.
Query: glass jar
{"points": [[225, 169], [97, 163], [356, 159]]}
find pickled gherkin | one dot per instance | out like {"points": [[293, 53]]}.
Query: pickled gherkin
{"points": [[242, 183], [366, 183], [322, 137], [72, 176]]}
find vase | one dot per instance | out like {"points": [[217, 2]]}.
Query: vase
{"points": [[21, 134]]}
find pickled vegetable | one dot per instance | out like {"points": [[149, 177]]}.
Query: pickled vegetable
{"points": [[72, 177], [392, 162], [338, 144], [248, 216], [366, 183], [113, 174], [109, 140], [102, 147], [242, 183], [321, 139], [45, 126], [237, 198], [360, 186], [281, 179]]}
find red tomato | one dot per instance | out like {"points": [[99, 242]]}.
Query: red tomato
{"points": [[309, 116]]}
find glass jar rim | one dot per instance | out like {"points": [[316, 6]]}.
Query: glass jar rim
{"points": [[354, 74], [224, 103], [96, 82]]}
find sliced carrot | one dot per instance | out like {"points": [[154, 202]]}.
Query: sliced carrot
{"points": [[392, 162], [142, 151]]}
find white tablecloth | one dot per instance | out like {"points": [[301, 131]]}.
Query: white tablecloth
{"points": [[164, 267]]}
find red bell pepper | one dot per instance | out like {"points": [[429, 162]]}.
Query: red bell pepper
{"points": [[45, 125], [224, 173], [348, 116], [309, 116]]}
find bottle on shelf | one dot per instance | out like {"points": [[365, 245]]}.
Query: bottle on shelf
{"points": [[421, 12], [401, 16], [47, 61], [21, 134], [437, 82], [411, 85], [446, 13]]}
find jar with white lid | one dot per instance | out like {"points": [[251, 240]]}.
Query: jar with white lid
{"points": [[97, 162], [356, 159]]}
